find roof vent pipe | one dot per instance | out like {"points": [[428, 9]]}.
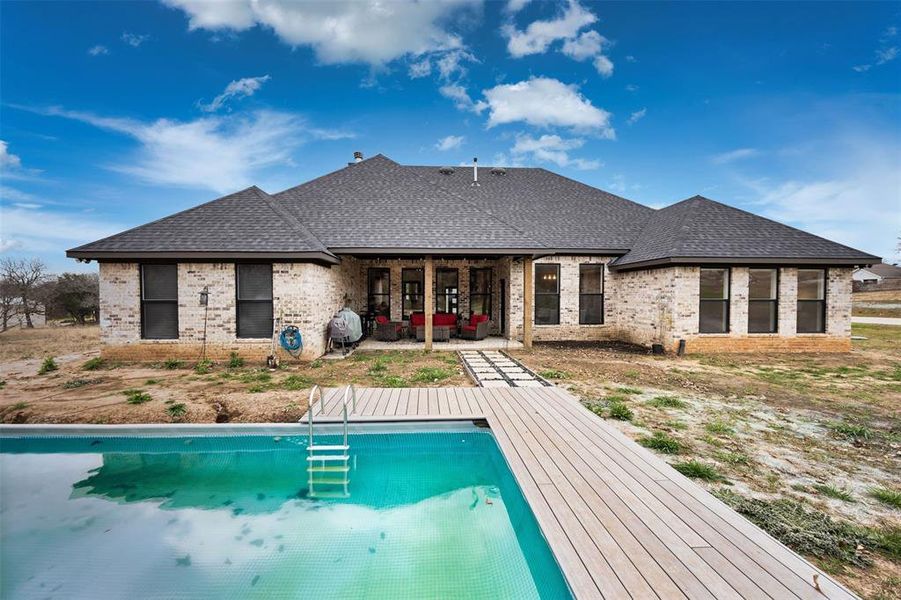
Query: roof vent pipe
{"points": [[475, 172], [358, 156]]}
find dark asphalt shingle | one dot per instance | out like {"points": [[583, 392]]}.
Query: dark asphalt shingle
{"points": [[380, 204], [700, 228]]}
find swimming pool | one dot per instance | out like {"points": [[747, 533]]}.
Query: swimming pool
{"points": [[431, 513]]}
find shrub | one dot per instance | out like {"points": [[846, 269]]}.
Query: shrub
{"points": [[851, 431], [2, 383], [719, 427], [47, 366], [887, 496], [77, 383], [394, 381], [662, 442], [618, 410], [151, 382], [432, 375], [235, 361], [296, 382], [136, 396], [552, 374], [203, 367], [732, 458], [833, 492], [698, 470], [316, 364], [19, 406], [805, 530], [666, 402], [177, 411], [628, 390], [94, 364], [172, 363]]}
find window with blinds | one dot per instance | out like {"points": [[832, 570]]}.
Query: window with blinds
{"points": [[159, 302], [254, 286]]}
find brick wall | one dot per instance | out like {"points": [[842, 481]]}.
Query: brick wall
{"points": [[304, 294], [642, 307]]}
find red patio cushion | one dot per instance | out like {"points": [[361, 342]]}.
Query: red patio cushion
{"points": [[476, 319], [381, 319], [469, 328]]}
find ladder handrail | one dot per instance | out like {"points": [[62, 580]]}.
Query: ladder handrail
{"points": [[310, 404]]}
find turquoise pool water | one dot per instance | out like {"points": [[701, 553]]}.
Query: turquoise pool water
{"points": [[431, 514]]}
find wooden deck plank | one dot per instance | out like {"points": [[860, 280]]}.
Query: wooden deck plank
{"points": [[770, 574], [620, 521], [568, 486], [381, 406], [655, 539]]}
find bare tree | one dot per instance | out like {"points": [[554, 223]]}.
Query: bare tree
{"points": [[25, 276], [9, 307]]}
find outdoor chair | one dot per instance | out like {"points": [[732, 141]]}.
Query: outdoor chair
{"points": [[476, 329], [387, 331]]}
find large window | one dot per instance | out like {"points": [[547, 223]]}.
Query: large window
{"points": [[591, 294], [412, 291], [447, 290], [763, 300], [811, 300], [159, 302], [380, 292], [714, 309], [547, 294], [254, 301], [480, 291]]}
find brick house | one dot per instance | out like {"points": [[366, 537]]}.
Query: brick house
{"points": [[546, 257]]}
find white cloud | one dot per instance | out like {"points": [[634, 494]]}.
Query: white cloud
{"points": [[221, 153], [539, 35], [421, 68], [588, 44], [41, 231], [240, 88], [553, 149], [461, 98], [98, 50], [631, 59], [546, 102], [885, 55], [14, 195], [631, 88], [636, 116], [134, 39], [347, 31], [8, 160], [603, 65], [514, 6], [451, 142], [733, 155]]}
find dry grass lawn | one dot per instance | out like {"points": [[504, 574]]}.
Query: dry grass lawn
{"points": [[882, 303], [817, 431], [84, 389]]}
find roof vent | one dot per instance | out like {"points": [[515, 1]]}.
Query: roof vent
{"points": [[358, 156], [446, 170], [499, 171]]}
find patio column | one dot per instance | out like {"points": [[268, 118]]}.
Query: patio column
{"points": [[429, 302], [528, 300]]}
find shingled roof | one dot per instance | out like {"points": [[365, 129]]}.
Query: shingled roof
{"points": [[380, 207], [249, 223], [700, 230]]}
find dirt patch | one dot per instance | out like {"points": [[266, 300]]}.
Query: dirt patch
{"points": [[821, 430], [85, 389]]}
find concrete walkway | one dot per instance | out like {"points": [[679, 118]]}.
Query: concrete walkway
{"points": [[877, 320], [496, 369]]}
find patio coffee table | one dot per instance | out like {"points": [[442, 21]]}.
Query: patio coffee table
{"points": [[440, 333]]}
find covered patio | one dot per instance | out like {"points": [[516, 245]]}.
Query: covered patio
{"points": [[461, 301]]}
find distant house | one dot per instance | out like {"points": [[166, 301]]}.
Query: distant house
{"points": [[877, 274], [544, 257]]}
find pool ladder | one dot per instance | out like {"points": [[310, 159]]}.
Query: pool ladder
{"points": [[329, 465]]}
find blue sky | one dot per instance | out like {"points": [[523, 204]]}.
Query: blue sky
{"points": [[114, 114]]}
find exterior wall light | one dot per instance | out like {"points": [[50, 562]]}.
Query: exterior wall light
{"points": [[204, 296]]}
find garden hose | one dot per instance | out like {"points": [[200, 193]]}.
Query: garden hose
{"points": [[291, 340]]}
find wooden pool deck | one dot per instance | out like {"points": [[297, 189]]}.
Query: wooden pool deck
{"points": [[620, 521]]}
